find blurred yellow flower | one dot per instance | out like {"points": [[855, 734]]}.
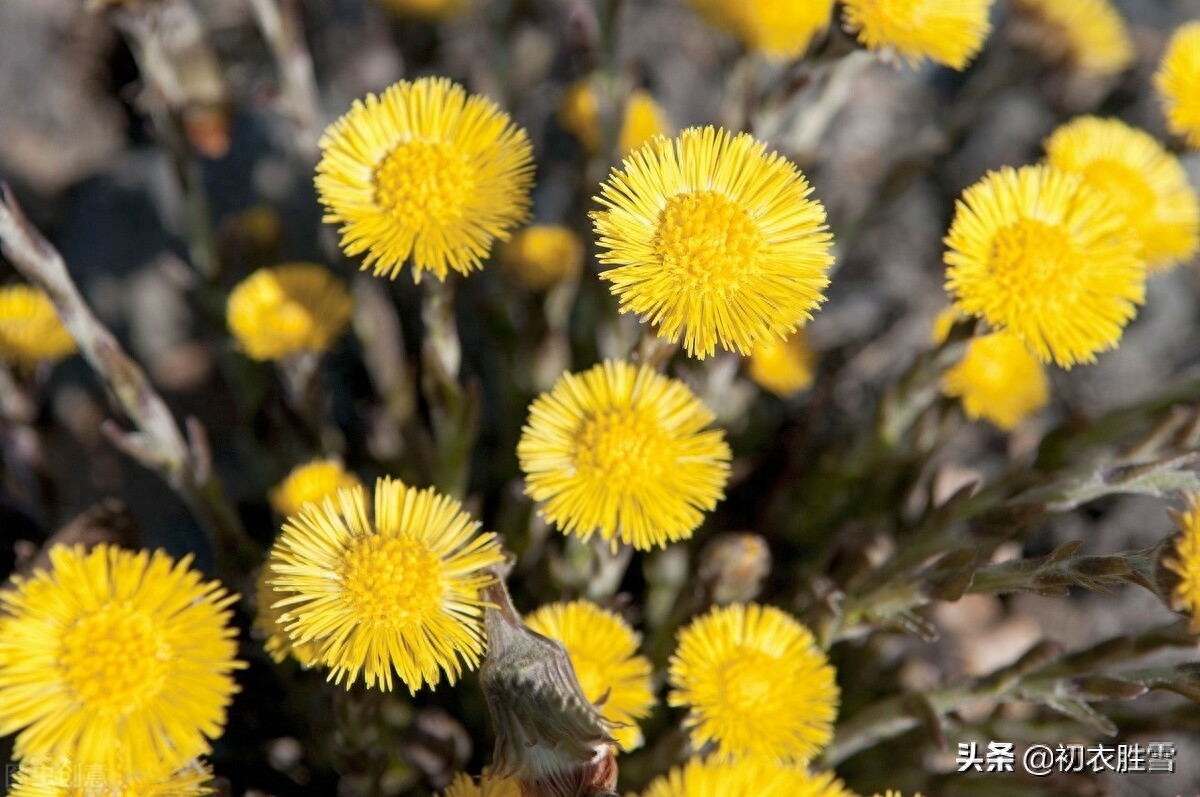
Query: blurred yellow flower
{"points": [[644, 119], [755, 684], [541, 256], [950, 32], [744, 777], [1145, 181], [42, 777], [287, 309], [784, 368], [579, 114], [486, 786], [427, 10], [1184, 562], [603, 651], [377, 170], [1178, 82], [1037, 253], [312, 481], [625, 452], [398, 590], [998, 380], [780, 30], [117, 660], [270, 621], [709, 236], [29, 327], [1088, 34]]}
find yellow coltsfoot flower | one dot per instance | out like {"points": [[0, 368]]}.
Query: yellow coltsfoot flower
{"points": [[644, 119], [292, 308], [1039, 254], [1184, 562], [784, 367], [116, 660], [625, 452], [998, 380], [780, 30], [40, 777], [29, 327], [603, 651], [755, 684], [541, 256], [311, 482], [710, 237], [424, 171], [486, 786], [744, 776], [1178, 83], [1138, 175], [949, 32], [393, 591], [1089, 35]]}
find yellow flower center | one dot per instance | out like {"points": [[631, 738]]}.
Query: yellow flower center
{"points": [[114, 659], [395, 581], [424, 184], [746, 684], [1125, 186], [1035, 261], [707, 243], [623, 445]]}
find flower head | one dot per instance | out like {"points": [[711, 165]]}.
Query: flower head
{"points": [[950, 32], [116, 659], [743, 776], [288, 309], [780, 30], [396, 591], [603, 651], [998, 380], [625, 452], [1088, 34], [579, 114], [486, 786], [710, 237], [644, 119], [424, 171], [310, 482], [43, 777], [755, 683], [1037, 253], [29, 327], [1185, 561], [542, 256], [1178, 82], [784, 368], [1135, 173]]}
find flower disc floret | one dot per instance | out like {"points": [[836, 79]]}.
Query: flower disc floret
{"points": [[424, 171], [710, 237], [1037, 253], [117, 660], [625, 452], [1178, 82], [396, 592], [950, 32], [755, 684], [292, 308]]}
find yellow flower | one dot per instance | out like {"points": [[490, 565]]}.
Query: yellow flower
{"points": [[41, 777], [1185, 562], [426, 171], [487, 786], [291, 308], [625, 452], [270, 621], [644, 119], [741, 778], [398, 593], [784, 368], [603, 651], [116, 659], [428, 10], [1178, 83], [1088, 34], [709, 235], [1037, 253], [579, 114], [312, 481], [755, 683], [777, 29], [29, 327], [950, 32], [1140, 177], [998, 380], [542, 256]]}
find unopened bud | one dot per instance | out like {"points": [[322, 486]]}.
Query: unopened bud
{"points": [[733, 566]]}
